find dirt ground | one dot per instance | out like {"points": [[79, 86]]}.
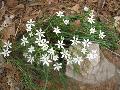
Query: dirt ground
{"points": [[15, 13]]}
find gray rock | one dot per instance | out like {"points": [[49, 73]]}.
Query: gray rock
{"points": [[99, 71]]}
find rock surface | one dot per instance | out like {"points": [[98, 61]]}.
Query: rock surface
{"points": [[101, 70]]}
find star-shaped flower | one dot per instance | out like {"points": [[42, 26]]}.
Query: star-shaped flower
{"points": [[55, 57], [75, 41], [56, 30], [86, 43], [57, 66], [51, 51], [29, 28], [6, 52], [45, 59], [60, 14], [66, 22], [77, 60], [31, 22], [30, 59], [65, 54], [38, 41], [29, 25], [24, 41], [60, 44], [84, 50], [40, 33], [43, 42], [92, 30], [7, 44], [31, 49], [25, 55], [101, 35], [92, 55], [45, 47], [91, 20]]}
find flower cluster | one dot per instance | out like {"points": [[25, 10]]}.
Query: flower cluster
{"points": [[48, 54], [92, 30]]}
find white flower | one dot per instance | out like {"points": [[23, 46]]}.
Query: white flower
{"points": [[66, 22], [60, 44], [84, 50], [38, 41], [29, 25], [29, 28], [86, 43], [6, 52], [31, 22], [86, 8], [31, 49], [24, 41], [45, 59], [77, 60], [65, 54], [92, 55], [57, 66], [75, 41], [101, 35], [51, 51], [91, 20], [69, 61], [41, 42], [40, 33], [92, 30], [44, 41], [55, 57], [44, 44], [45, 47], [60, 14], [56, 30], [30, 59], [7, 45], [30, 34], [25, 55]]}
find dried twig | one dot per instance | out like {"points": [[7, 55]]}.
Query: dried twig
{"points": [[101, 4], [18, 28]]}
